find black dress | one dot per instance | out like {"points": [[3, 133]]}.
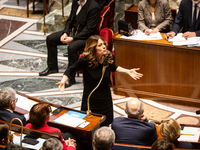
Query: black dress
{"points": [[100, 100]]}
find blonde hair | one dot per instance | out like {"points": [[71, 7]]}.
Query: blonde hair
{"points": [[170, 129], [90, 51]]}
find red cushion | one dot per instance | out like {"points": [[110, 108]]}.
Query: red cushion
{"points": [[107, 35]]}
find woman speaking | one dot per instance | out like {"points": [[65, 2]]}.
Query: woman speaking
{"points": [[95, 56]]}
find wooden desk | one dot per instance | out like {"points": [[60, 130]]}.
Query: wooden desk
{"points": [[169, 71], [120, 146], [35, 134], [85, 133]]}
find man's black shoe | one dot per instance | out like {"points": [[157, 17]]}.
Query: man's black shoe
{"points": [[48, 71], [70, 82], [65, 54]]}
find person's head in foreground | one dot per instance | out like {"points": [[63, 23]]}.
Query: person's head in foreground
{"points": [[162, 144], [52, 144], [4, 133], [170, 128], [39, 114], [103, 139]]}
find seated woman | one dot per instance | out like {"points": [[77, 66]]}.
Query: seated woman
{"points": [[38, 117], [170, 128], [155, 15], [4, 133]]}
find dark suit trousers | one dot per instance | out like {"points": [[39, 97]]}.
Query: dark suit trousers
{"points": [[53, 40]]}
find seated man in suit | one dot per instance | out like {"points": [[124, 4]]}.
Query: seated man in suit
{"points": [[102, 3], [80, 25], [8, 102], [103, 139], [187, 18], [134, 129]]}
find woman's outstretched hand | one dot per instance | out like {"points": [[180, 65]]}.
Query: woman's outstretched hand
{"points": [[61, 86], [134, 74]]}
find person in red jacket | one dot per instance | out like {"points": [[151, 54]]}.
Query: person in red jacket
{"points": [[38, 117]]}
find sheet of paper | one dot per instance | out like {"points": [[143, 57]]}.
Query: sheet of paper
{"points": [[25, 103], [190, 134], [177, 38], [142, 36], [190, 41], [69, 120], [193, 42]]}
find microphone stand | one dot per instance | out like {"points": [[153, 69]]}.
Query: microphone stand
{"points": [[89, 113], [64, 19]]}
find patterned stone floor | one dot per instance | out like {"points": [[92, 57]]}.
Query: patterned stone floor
{"points": [[23, 55]]}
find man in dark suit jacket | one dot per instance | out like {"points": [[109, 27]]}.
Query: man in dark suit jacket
{"points": [[184, 19], [135, 129], [102, 3], [80, 25], [8, 102]]}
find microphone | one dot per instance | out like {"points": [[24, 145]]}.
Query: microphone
{"points": [[104, 62], [198, 112]]}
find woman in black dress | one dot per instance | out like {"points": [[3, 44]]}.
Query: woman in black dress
{"points": [[95, 56]]}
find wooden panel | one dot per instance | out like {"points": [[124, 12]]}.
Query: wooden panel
{"points": [[131, 15], [167, 70]]}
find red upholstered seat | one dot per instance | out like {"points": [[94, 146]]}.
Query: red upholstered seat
{"points": [[107, 34], [110, 24], [103, 19]]}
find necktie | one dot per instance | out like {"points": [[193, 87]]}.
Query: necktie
{"points": [[194, 18]]}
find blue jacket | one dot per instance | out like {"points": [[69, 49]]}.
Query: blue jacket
{"points": [[7, 116], [184, 18], [134, 131]]}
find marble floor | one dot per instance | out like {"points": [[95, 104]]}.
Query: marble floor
{"points": [[23, 54]]}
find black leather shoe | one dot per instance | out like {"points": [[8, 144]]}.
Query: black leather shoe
{"points": [[48, 71], [65, 54], [70, 82]]}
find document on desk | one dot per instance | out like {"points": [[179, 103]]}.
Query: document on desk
{"points": [[25, 103], [17, 139], [69, 120], [142, 36], [190, 134], [193, 42], [178, 40]]}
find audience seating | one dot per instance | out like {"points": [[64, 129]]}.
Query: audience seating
{"points": [[103, 19], [110, 24], [32, 132]]}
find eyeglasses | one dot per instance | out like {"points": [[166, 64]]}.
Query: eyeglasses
{"points": [[16, 100]]}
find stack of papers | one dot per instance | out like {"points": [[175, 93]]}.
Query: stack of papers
{"points": [[178, 40], [72, 119], [142, 36], [25, 103], [190, 134]]}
